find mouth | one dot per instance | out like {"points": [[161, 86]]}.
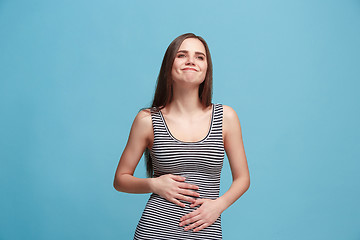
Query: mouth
{"points": [[189, 69]]}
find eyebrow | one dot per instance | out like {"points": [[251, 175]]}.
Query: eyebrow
{"points": [[185, 51]]}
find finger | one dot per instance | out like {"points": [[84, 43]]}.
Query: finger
{"points": [[201, 227], [177, 202], [189, 192], [190, 220], [195, 224], [185, 198], [190, 215], [177, 177], [188, 186], [198, 202]]}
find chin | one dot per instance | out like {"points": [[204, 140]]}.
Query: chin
{"points": [[190, 81]]}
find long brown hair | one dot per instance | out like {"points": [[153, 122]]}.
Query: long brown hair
{"points": [[163, 93]]}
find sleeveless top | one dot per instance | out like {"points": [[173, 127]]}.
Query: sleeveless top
{"points": [[199, 162]]}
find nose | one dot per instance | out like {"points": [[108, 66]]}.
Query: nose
{"points": [[190, 61]]}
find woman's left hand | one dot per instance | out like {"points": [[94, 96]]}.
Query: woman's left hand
{"points": [[202, 217]]}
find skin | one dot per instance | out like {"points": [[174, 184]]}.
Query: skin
{"points": [[188, 121]]}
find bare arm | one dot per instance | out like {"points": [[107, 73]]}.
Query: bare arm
{"points": [[169, 186], [139, 138], [235, 152]]}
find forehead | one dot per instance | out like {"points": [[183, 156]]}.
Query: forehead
{"points": [[193, 45]]}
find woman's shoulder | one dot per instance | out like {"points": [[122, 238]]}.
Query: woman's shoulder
{"points": [[231, 122], [144, 113], [229, 113], [143, 119], [227, 110]]}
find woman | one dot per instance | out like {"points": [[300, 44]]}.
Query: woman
{"points": [[184, 137]]}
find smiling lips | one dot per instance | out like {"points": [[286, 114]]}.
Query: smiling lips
{"points": [[189, 69]]}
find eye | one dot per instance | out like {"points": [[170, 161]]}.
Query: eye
{"points": [[200, 57], [181, 55]]}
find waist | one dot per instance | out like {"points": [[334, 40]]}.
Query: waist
{"points": [[209, 184]]}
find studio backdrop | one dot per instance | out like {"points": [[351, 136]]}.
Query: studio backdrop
{"points": [[74, 74]]}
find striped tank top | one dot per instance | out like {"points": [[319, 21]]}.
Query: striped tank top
{"points": [[200, 163]]}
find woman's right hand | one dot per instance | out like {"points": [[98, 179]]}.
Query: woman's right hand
{"points": [[173, 188]]}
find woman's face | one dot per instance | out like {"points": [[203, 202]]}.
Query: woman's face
{"points": [[190, 63]]}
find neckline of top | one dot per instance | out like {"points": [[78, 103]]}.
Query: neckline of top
{"points": [[178, 140]]}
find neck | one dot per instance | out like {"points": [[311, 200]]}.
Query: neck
{"points": [[185, 99]]}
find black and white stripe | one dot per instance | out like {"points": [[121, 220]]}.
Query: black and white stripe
{"points": [[199, 162]]}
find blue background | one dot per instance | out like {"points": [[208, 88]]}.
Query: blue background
{"points": [[74, 74]]}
